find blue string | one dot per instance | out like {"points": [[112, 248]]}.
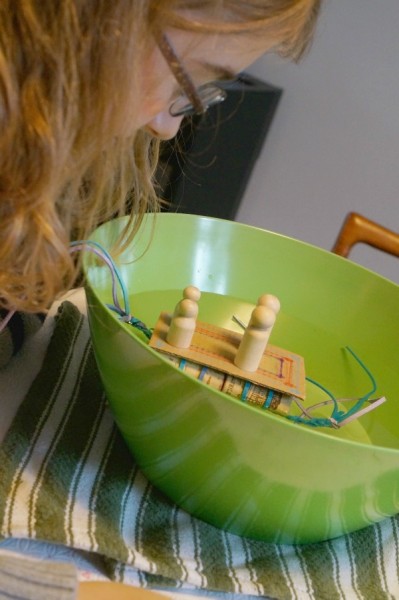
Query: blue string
{"points": [[124, 313], [326, 391], [364, 398], [337, 415], [114, 267], [322, 422], [131, 320]]}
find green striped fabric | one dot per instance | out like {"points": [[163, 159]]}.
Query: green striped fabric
{"points": [[66, 476]]}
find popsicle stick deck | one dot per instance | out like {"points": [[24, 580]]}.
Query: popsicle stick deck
{"points": [[216, 347]]}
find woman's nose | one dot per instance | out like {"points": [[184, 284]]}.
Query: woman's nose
{"points": [[164, 126]]}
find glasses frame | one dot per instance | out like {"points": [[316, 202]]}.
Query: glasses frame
{"points": [[199, 99]]}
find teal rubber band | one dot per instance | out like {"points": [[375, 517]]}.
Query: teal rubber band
{"points": [[245, 391], [268, 400], [204, 371]]}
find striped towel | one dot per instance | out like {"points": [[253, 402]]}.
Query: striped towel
{"points": [[67, 477]]}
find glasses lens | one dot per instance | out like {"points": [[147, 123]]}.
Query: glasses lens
{"points": [[209, 95]]}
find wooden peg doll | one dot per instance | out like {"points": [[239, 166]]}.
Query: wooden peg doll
{"points": [[192, 293], [182, 326], [270, 301], [189, 293], [255, 338]]}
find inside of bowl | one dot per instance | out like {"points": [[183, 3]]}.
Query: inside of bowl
{"points": [[327, 304]]}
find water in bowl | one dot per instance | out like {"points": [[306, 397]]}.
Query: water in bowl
{"points": [[325, 358]]}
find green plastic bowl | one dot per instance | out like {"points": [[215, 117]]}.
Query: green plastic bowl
{"points": [[242, 469]]}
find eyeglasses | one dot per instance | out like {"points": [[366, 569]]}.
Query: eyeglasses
{"points": [[194, 101]]}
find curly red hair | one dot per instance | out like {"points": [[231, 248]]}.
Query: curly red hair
{"points": [[68, 72]]}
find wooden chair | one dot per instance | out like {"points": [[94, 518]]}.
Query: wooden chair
{"points": [[356, 229]]}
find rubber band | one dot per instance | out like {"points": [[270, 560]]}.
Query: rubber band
{"points": [[202, 374], [245, 391], [268, 400]]}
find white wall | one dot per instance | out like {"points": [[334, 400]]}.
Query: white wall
{"points": [[334, 143]]}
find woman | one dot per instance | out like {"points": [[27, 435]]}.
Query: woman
{"points": [[88, 89]]}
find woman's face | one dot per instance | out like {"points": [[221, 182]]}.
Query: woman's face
{"points": [[206, 58]]}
